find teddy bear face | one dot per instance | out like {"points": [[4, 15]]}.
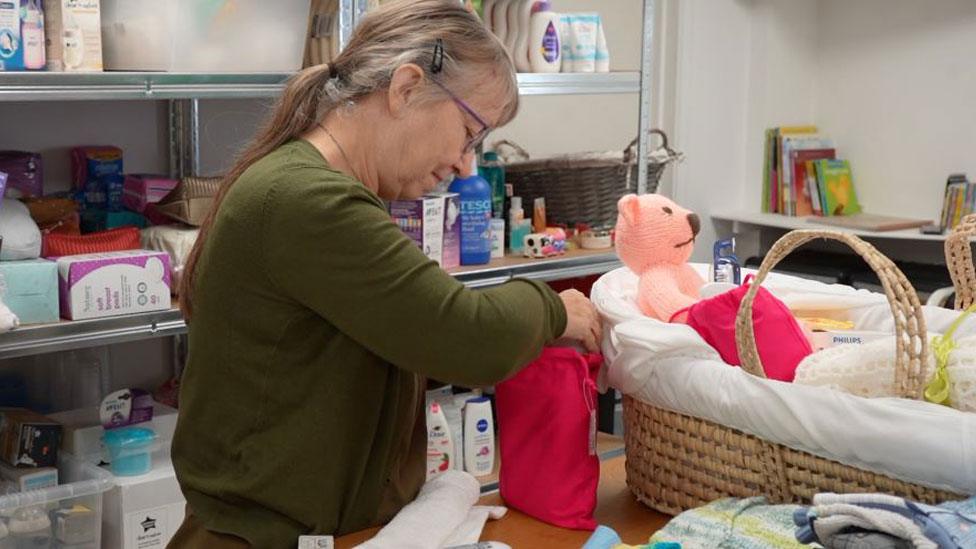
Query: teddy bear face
{"points": [[653, 230]]}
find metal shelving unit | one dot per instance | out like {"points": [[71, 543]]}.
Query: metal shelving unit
{"points": [[183, 92], [66, 335], [52, 86]]}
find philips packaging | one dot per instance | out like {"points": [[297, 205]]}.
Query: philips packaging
{"points": [[113, 283], [74, 35], [11, 42]]}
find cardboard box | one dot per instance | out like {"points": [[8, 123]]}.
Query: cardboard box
{"points": [[28, 438], [143, 512], [140, 190], [29, 478], [74, 35], [32, 289], [432, 222], [11, 41], [82, 430], [113, 283]]}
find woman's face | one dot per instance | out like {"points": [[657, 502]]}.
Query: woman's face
{"points": [[427, 143]]}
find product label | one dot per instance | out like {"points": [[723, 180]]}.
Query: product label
{"points": [[476, 226], [315, 542], [126, 407], [148, 529], [11, 52], [550, 44]]}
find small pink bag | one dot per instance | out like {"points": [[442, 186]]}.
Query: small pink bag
{"points": [[547, 438], [779, 338]]}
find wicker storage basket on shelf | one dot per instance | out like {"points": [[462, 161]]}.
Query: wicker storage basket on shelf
{"points": [[583, 187], [677, 462]]}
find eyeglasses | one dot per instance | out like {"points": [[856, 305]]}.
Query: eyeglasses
{"points": [[436, 65], [473, 141]]}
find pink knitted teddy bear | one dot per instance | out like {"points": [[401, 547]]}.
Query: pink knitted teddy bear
{"points": [[655, 238]]}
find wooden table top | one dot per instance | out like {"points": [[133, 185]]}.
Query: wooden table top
{"points": [[616, 508]]}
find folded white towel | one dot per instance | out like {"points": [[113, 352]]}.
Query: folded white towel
{"points": [[443, 514]]}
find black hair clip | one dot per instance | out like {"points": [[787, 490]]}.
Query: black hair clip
{"points": [[437, 63]]}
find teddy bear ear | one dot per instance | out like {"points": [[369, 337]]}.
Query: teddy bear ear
{"points": [[629, 207]]}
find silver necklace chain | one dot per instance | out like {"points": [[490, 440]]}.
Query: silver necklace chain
{"points": [[334, 140]]}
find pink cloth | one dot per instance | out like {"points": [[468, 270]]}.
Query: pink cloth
{"points": [[547, 438], [779, 338]]}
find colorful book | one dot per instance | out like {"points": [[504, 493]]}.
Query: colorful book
{"points": [[803, 189], [768, 171], [786, 133], [837, 186]]}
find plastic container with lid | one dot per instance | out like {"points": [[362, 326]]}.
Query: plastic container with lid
{"points": [[130, 450]]}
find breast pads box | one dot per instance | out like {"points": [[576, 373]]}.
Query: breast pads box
{"points": [[11, 42], [32, 289], [113, 283], [425, 221], [74, 35]]}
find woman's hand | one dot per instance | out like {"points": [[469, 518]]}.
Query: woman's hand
{"points": [[582, 321]]}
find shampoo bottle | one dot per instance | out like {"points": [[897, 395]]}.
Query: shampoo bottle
{"points": [[479, 437], [520, 51], [512, 17], [494, 173], [440, 448], [499, 20], [475, 198], [515, 216], [545, 44]]}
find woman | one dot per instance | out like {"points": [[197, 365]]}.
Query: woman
{"points": [[314, 322]]}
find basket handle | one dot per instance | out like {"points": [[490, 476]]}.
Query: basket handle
{"points": [[631, 149], [959, 261], [517, 152], [910, 335]]}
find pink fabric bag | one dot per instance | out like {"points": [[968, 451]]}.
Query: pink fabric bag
{"points": [[547, 438], [779, 338]]}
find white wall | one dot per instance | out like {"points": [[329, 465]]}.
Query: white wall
{"points": [[896, 84], [890, 80]]}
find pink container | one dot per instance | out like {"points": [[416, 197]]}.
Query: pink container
{"points": [[140, 190]]}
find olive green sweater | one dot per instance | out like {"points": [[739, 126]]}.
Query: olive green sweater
{"points": [[316, 322]]}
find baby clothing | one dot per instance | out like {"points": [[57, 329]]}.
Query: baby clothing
{"points": [[742, 523], [951, 525]]}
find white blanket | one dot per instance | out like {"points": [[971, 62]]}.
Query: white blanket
{"points": [[671, 366]]}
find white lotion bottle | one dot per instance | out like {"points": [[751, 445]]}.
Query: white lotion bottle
{"points": [[545, 43], [511, 15], [521, 48], [479, 437], [487, 7], [440, 447], [499, 20]]}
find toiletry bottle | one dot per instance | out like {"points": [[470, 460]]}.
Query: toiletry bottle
{"points": [[32, 31], [475, 196], [73, 42], [486, 17], [520, 51], [539, 215], [440, 448], [512, 17], [497, 238], [515, 216], [479, 437], [499, 20], [545, 43], [494, 173]]}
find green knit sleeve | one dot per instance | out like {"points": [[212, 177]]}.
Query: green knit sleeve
{"points": [[331, 246]]}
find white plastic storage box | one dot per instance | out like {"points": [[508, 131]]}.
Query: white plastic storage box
{"points": [[194, 36], [68, 515]]}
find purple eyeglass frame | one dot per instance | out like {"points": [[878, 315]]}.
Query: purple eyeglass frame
{"points": [[472, 143]]}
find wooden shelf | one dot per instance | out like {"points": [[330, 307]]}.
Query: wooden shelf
{"points": [[777, 221]]}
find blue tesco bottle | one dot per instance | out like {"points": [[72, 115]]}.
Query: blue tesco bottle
{"points": [[475, 197]]}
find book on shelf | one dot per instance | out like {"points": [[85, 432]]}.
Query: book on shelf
{"points": [[779, 193], [870, 222], [959, 200], [807, 191], [836, 184]]}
